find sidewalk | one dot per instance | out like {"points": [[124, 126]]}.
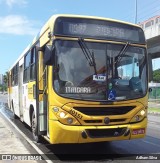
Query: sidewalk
{"points": [[10, 142], [153, 103]]}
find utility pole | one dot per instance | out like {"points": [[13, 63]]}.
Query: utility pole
{"points": [[135, 11]]}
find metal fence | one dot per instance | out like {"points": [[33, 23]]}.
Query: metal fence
{"points": [[155, 94]]}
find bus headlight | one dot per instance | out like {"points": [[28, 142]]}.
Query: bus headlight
{"points": [[142, 112], [64, 117], [139, 116], [62, 114]]}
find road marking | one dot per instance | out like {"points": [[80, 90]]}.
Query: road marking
{"points": [[28, 140], [151, 143]]}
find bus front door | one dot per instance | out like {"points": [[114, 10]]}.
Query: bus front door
{"points": [[41, 95]]}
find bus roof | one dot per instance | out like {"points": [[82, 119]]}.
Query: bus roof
{"points": [[54, 17]]}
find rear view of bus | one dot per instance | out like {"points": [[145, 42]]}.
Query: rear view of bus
{"points": [[95, 86]]}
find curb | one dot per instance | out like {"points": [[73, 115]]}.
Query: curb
{"points": [[154, 113]]}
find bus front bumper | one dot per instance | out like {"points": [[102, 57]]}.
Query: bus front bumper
{"points": [[60, 133]]}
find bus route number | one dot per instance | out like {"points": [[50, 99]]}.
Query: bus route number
{"points": [[75, 114]]}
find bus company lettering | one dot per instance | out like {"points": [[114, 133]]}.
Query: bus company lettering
{"points": [[77, 90]]}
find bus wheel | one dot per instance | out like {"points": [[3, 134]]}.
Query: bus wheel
{"points": [[34, 128]]}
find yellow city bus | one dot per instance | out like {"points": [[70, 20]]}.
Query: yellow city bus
{"points": [[82, 79]]}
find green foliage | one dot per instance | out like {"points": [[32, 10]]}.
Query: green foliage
{"points": [[5, 78], [154, 110], [3, 87], [156, 76]]}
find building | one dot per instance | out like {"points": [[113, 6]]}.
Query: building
{"points": [[151, 27], [1, 78]]}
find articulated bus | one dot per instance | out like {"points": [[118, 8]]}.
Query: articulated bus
{"points": [[82, 79]]}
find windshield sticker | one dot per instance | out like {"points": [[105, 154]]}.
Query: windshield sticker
{"points": [[99, 77], [85, 90], [112, 95]]}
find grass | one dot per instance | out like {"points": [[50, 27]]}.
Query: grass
{"points": [[154, 110]]}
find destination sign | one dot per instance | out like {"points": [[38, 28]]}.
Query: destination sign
{"points": [[95, 30], [98, 29]]}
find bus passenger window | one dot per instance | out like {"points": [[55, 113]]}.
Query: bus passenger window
{"points": [[26, 76], [12, 77], [16, 74], [32, 69]]}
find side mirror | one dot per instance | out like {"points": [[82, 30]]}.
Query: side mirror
{"points": [[49, 55]]}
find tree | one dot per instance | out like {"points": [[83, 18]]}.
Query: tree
{"points": [[156, 76], [5, 81], [5, 78]]}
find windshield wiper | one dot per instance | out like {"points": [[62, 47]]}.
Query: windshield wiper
{"points": [[122, 52], [88, 54]]}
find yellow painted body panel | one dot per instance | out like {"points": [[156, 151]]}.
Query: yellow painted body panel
{"points": [[60, 133], [30, 90], [9, 89], [9, 83]]}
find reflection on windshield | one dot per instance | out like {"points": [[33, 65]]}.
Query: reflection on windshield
{"points": [[121, 80]]}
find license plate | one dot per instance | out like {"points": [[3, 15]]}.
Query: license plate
{"points": [[138, 131]]}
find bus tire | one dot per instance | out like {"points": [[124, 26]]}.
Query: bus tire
{"points": [[36, 138]]}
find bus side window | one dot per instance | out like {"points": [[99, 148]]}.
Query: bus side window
{"points": [[12, 77], [16, 74], [26, 76], [32, 67]]}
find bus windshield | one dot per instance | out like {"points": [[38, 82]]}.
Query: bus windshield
{"points": [[119, 72]]}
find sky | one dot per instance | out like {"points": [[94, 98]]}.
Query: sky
{"points": [[21, 20]]}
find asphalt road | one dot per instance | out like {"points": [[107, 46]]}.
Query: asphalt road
{"points": [[117, 151]]}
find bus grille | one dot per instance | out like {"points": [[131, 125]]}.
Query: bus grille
{"points": [[100, 121], [103, 111], [93, 121], [100, 133]]}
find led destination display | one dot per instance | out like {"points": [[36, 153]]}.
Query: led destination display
{"points": [[90, 28]]}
